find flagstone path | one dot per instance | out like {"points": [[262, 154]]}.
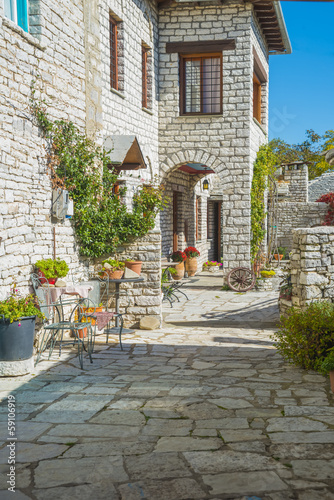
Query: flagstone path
{"points": [[202, 409]]}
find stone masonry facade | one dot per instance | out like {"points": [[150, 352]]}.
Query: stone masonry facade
{"points": [[67, 52], [294, 209], [321, 185], [227, 143]]}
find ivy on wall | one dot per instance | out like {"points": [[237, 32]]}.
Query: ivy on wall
{"points": [[264, 165], [101, 221]]}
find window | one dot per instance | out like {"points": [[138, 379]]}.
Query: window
{"points": [[201, 84], [144, 75], [256, 98], [17, 11], [113, 53]]}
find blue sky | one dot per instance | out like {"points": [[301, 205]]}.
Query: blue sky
{"points": [[301, 85]]}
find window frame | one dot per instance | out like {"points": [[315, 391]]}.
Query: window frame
{"points": [[113, 46], [257, 98], [144, 67], [20, 13], [200, 56]]}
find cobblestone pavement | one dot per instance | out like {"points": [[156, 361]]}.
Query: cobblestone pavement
{"points": [[203, 409]]}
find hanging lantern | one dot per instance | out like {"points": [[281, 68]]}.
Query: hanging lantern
{"points": [[205, 184]]}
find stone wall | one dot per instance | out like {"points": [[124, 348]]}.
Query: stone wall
{"points": [[312, 266], [145, 297], [294, 215], [221, 142], [293, 209], [321, 185], [57, 54]]}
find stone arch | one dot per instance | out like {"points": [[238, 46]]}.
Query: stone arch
{"points": [[178, 158]]}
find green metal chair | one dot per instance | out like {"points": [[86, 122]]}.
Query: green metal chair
{"points": [[55, 322]]}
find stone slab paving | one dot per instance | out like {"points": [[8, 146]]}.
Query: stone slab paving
{"points": [[202, 409]]}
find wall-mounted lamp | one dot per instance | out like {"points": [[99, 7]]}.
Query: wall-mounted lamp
{"points": [[205, 184]]}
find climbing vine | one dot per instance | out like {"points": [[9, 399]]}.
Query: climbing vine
{"points": [[264, 165], [102, 221]]}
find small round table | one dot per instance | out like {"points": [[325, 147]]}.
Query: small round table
{"points": [[116, 329]]}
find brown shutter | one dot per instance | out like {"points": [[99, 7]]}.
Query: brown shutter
{"points": [[144, 77], [113, 54]]}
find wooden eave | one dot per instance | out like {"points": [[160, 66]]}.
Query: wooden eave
{"points": [[267, 19]]}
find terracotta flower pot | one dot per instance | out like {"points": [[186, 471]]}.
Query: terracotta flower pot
{"points": [[134, 265], [280, 256], [179, 268], [82, 333], [113, 275], [43, 279], [191, 266], [331, 378]]}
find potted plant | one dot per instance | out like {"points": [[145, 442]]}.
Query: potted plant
{"points": [[191, 263], [285, 291], [178, 257], [113, 268], [134, 265], [17, 327], [50, 270], [212, 266], [282, 253], [267, 273]]}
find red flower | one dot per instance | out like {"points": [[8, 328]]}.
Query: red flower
{"points": [[191, 252], [178, 256]]}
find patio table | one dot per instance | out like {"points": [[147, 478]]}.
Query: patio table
{"points": [[116, 329]]}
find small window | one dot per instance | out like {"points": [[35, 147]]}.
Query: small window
{"points": [[113, 53], [201, 84], [256, 98], [17, 11]]}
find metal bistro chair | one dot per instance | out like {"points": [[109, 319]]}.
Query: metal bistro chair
{"points": [[101, 295], [170, 288], [55, 324]]}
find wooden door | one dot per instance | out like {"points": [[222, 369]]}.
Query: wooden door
{"points": [[218, 227], [175, 212]]}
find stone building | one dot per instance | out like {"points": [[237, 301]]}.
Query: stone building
{"points": [[321, 185], [178, 90]]}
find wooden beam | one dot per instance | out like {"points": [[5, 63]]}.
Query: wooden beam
{"points": [[200, 47], [258, 68]]}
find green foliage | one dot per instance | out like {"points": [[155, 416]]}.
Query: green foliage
{"points": [[267, 274], [101, 221], [16, 307], [305, 337], [328, 363], [264, 165], [309, 151], [116, 265], [283, 251], [53, 268]]}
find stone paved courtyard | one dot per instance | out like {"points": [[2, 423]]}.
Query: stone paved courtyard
{"points": [[202, 409]]}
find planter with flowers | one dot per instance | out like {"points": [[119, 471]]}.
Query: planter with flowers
{"points": [[49, 270], [113, 268], [212, 266], [191, 263], [267, 281], [327, 367], [178, 257], [17, 328]]}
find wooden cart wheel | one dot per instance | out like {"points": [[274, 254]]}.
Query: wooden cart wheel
{"points": [[241, 279]]}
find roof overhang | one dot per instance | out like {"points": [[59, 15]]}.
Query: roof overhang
{"points": [[124, 152], [269, 15]]}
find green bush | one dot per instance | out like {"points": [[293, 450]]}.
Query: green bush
{"points": [[328, 363], [305, 337]]}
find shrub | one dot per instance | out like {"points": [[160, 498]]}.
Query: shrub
{"points": [[305, 337], [268, 274], [15, 307], [328, 363], [178, 256], [116, 265]]}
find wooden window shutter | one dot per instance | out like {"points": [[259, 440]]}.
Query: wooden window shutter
{"points": [[113, 54], [144, 77]]}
